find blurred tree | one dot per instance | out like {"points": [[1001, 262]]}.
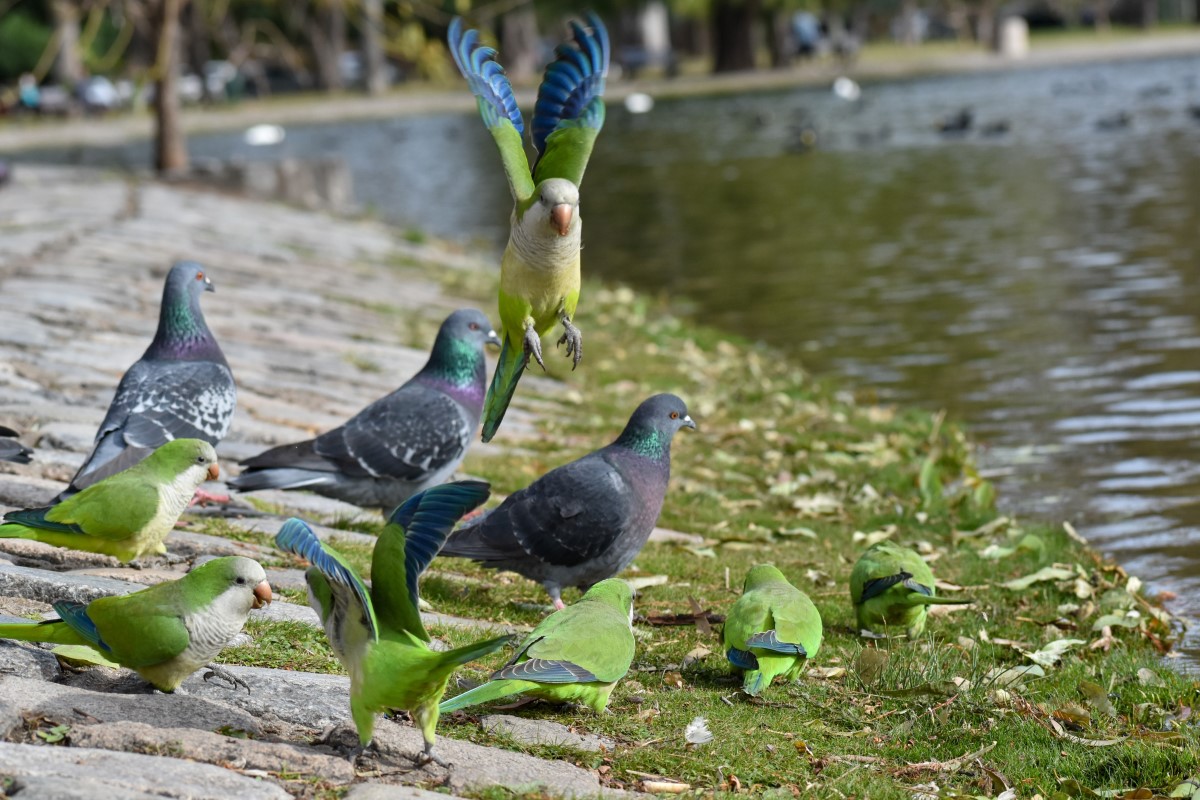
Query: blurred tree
{"points": [[170, 142], [68, 62], [733, 24], [372, 36]]}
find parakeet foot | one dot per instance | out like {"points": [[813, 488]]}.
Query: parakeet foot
{"points": [[573, 339], [429, 756], [533, 347], [203, 498], [234, 681]]}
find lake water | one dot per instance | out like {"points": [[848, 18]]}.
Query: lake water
{"points": [[1041, 284]]}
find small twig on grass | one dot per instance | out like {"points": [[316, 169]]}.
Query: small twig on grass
{"points": [[953, 765]]}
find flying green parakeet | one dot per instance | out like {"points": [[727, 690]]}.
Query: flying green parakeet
{"points": [[539, 273], [772, 629], [577, 654], [128, 514], [892, 586], [377, 633], [164, 632]]}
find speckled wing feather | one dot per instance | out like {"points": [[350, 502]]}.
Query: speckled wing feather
{"points": [[156, 402], [408, 434], [567, 517]]}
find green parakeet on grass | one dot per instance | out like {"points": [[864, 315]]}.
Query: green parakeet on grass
{"points": [[539, 274], [377, 633], [164, 632], [892, 586], [128, 514], [577, 654], [772, 629]]}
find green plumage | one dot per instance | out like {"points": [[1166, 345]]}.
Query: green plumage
{"points": [[892, 587], [576, 654], [377, 633], [772, 629], [148, 630], [128, 514]]}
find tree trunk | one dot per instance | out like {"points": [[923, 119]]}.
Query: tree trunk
{"points": [[985, 24], [199, 46], [733, 34], [326, 31], [1149, 13], [1100, 18], [372, 32], [68, 64], [780, 40], [170, 143], [519, 43]]}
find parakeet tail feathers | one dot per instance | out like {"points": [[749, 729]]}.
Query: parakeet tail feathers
{"points": [[504, 384], [753, 683], [471, 652], [53, 631], [34, 518], [75, 615], [492, 690]]}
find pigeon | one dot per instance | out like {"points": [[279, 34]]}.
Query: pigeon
{"points": [[399, 445], [587, 520], [181, 387], [11, 449]]}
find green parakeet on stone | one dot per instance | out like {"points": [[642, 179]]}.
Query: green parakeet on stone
{"points": [[128, 514], [377, 633], [539, 274], [772, 629], [164, 632], [577, 654], [892, 587]]}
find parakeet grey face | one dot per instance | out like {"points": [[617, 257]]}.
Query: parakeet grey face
{"points": [[558, 204], [471, 325]]}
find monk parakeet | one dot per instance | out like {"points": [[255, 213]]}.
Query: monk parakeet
{"points": [[539, 274], [586, 520], [125, 515], [409, 440], [180, 388], [164, 632], [892, 586], [772, 629], [377, 633], [576, 654]]}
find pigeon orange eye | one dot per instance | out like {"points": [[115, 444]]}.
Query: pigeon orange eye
{"points": [[674, 415], [474, 326], [199, 276]]}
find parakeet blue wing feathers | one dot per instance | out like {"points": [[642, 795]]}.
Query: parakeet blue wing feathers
{"points": [[543, 671], [75, 615], [485, 76], [877, 586], [741, 658], [767, 640], [427, 518], [573, 83], [919, 588], [296, 537]]}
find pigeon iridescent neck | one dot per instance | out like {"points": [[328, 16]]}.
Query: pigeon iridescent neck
{"points": [[182, 332], [457, 366], [646, 441]]}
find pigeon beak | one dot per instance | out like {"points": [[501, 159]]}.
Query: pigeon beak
{"points": [[208, 285], [688, 422], [214, 471], [560, 217], [262, 594], [492, 338]]}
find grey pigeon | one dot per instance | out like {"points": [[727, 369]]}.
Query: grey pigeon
{"points": [[587, 520], [181, 387], [11, 449], [399, 445]]}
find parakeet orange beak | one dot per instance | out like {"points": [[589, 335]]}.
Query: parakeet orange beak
{"points": [[560, 217], [262, 594], [214, 471]]}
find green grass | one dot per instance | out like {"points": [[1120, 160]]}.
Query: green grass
{"points": [[795, 471]]}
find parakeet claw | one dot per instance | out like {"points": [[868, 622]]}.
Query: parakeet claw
{"points": [[234, 681], [429, 756], [533, 347], [573, 339]]}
